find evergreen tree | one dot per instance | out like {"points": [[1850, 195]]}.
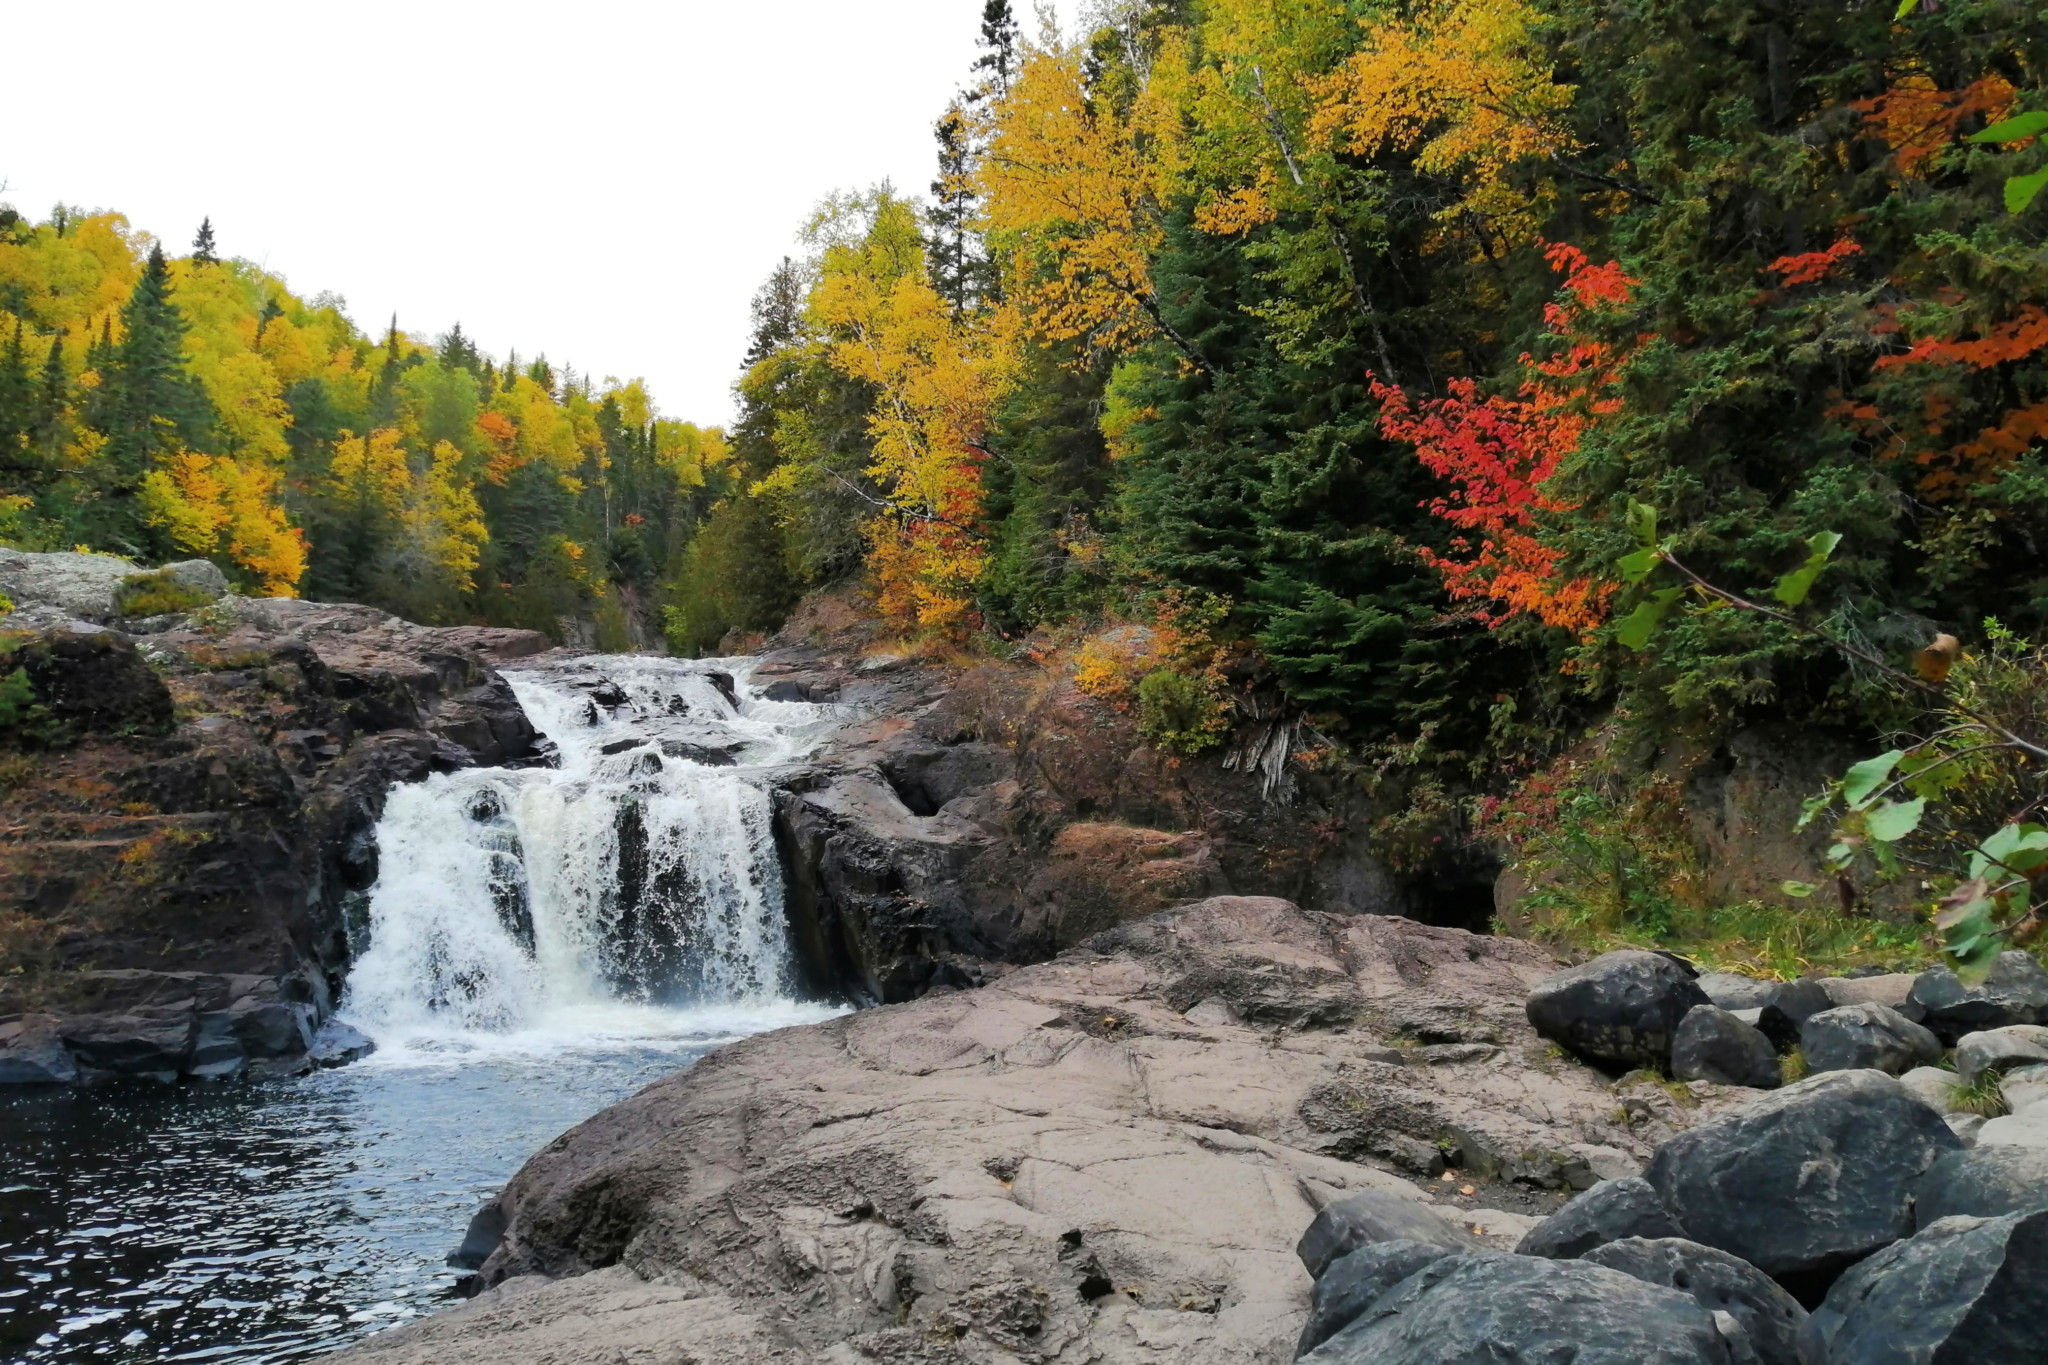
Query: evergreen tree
{"points": [[152, 404], [958, 269], [17, 404], [384, 393], [202, 245], [998, 59], [458, 352]]}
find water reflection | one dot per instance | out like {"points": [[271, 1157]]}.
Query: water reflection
{"points": [[271, 1222]]}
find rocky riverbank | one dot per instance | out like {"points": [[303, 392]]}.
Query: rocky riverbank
{"points": [[186, 803]]}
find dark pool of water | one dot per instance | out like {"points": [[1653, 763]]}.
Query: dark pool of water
{"points": [[269, 1222]]}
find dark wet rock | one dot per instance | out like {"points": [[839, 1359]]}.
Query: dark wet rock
{"points": [[2014, 992], [1984, 1182], [1866, 1037], [1490, 1307], [1355, 1281], [1962, 1291], [486, 1229], [1372, 1216], [152, 1042], [786, 689], [216, 1053], [1622, 1008], [338, 1044], [710, 755], [1790, 1005], [32, 1052], [1609, 1212], [1714, 1045], [1721, 1283], [1805, 1180]]}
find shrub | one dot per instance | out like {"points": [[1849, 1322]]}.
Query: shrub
{"points": [[157, 593], [1184, 713]]}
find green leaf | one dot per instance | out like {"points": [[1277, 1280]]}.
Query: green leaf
{"points": [[1642, 520], [1797, 890], [1793, 587], [1636, 567], [2014, 129], [1906, 7], [1840, 854], [1894, 820], [2017, 848], [1635, 630], [1861, 782], [2022, 190]]}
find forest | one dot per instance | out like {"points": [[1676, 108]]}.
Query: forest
{"points": [[1457, 375]]}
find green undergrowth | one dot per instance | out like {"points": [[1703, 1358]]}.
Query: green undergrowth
{"points": [[157, 593], [1753, 938]]}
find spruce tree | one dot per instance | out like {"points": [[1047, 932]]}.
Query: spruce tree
{"points": [[998, 57], [954, 259], [152, 404], [17, 403], [202, 245]]}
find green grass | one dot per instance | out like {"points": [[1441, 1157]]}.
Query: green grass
{"points": [[157, 593], [1753, 937], [1985, 1096]]}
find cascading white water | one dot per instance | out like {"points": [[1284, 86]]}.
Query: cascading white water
{"points": [[639, 877]]}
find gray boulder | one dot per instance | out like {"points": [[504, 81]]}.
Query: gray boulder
{"points": [[1490, 1307], [1932, 1086], [338, 1044], [2015, 992], [1714, 1045], [151, 1041], [2028, 1128], [2000, 1049], [2025, 1087], [1609, 1212], [1866, 1037], [1622, 1008], [1963, 1291], [1732, 992], [1355, 1282], [1804, 1180], [1721, 1283], [1984, 1182], [32, 1053], [80, 585], [1357, 1220], [1890, 988], [1791, 1004]]}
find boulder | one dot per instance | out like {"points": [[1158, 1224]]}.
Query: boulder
{"points": [[1932, 1086], [1999, 1049], [1866, 1037], [1370, 1216], [1791, 1004], [1491, 1307], [1732, 992], [1622, 1008], [2014, 992], [82, 585], [1355, 1281], [1984, 1182], [216, 1053], [338, 1044], [32, 1052], [1610, 1211], [1962, 1291], [1721, 1283], [2027, 1129], [1713, 1045], [1894, 989], [1808, 1179], [1965, 1126], [151, 1042], [2025, 1087]]}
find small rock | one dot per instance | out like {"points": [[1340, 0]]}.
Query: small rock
{"points": [[1932, 1086], [1497, 1227], [1713, 1045], [2015, 992], [1963, 1290], [1824, 1169], [1866, 1037], [786, 690], [486, 1229], [1985, 1182], [1965, 1126], [1356, 1280], [1721, 1283], [2000, 1048], [1211, 1011], [1370, 1216], [1610, 1211], [338, 1044], [2028, 1129], [1600, 1163], [1622, 1008], [2025, 1087], [1732, 992], [1492, 1307], [1791, 1004]]}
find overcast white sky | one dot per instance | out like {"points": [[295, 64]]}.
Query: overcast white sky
{"points": [[607, 182]]}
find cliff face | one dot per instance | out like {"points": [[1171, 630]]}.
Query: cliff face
{"points": [[186, 806]]}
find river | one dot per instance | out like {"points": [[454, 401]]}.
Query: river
{"points": [[539, 943]]}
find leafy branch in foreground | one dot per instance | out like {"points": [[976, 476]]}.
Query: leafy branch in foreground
{"points": [[1914, 807]]}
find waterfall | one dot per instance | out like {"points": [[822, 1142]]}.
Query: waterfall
{"points": [[638, 875]]}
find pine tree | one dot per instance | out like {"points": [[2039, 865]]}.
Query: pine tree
{"points": [[17, 403], [384, 391], [955, 259], [458, 352], [998, 59], [202, 245], [153, 402]]}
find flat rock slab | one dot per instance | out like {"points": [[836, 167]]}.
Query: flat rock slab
{"points": [[1059, 1165]]}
